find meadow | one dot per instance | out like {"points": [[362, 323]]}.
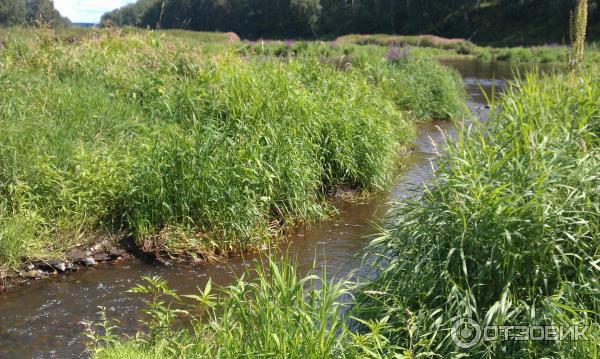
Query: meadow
{"points": [[191, 147]]}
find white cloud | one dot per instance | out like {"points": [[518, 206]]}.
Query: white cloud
{"points": [[87, 10]]}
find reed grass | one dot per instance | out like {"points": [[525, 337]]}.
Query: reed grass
{"points": [[537, 54], [507, 233]]}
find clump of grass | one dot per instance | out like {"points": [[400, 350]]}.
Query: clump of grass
{"points": [[271, 311], [418, 85], [507, 234], [538, 54], [275, 157]]}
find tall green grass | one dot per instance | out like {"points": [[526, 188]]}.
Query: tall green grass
{"points": [[409, 76], [507, 234], [538, 54], [427, 92], [460, 46], [188, 153], [270, 312]]}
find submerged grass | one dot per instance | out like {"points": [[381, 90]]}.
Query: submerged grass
{"points": [[507, 234], [190, 154]]}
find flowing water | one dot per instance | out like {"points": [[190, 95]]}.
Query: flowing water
{"points": [[41, 319]]}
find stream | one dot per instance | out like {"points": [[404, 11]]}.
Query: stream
{"points": [[41, 319]]}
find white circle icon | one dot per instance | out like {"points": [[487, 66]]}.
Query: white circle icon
{"points": [[466, 333]]}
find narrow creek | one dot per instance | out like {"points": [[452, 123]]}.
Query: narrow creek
{"points": [[41, 319]]}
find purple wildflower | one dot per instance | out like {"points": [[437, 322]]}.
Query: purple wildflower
{"points": [[397, 54]]}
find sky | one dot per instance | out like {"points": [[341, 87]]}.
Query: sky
{"points": [[87, 10]]}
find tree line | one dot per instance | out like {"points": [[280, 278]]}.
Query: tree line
{"points": [[30, 12], [510, 21], [321, 18]]}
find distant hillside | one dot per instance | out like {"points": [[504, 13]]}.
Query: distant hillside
{"points": [[500, 21]]}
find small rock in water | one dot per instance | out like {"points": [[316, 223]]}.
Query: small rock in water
{"points": [[101, 257], [75, 253], [71, 266], [117, 252], [89, 261], [61, 267], [36, 274]]}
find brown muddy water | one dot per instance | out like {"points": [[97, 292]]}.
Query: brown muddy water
{"points": [[42, 319]]}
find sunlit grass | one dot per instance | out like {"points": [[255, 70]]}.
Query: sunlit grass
{"points": [[188, 153], [507, 234], [272, 311]]}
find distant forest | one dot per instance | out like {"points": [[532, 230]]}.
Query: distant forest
{"points": [[509, 21], [30, 12]]}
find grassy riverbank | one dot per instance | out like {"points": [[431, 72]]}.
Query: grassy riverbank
{"points": [[507, 234], [348, 46], [277, 314], [192, 153], [447, 48]]}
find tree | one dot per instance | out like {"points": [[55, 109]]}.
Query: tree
{"points": [[490, 19], [43, 11], [308, 12], [12, 12]]}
